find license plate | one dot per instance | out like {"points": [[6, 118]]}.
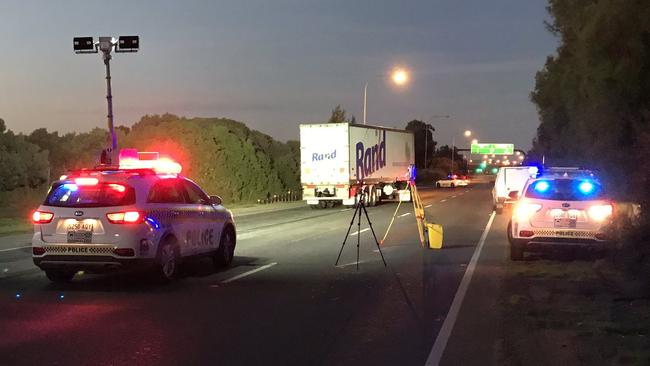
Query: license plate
{"points": [[80, 232], [568, 222]]}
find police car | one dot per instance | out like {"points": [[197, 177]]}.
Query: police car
{"points": [[562, 206], [140, 214], [453, 181]]}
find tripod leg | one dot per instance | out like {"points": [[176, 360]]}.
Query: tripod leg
{"points": [[373, 234], [361, 205], [354, 216]]}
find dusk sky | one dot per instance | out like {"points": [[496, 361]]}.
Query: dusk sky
{"points": [[274, 64]]}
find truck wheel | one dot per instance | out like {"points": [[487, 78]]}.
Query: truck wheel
{"points": [[322, 204], [59, 276], [438, 185]]}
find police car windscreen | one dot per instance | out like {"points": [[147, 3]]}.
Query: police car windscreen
{"points": [[565, 190], [99, 195]]}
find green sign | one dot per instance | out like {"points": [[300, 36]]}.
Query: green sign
{"points": [[496, 149]]}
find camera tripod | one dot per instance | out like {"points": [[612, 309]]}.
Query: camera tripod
{"points": [[361, 205]]}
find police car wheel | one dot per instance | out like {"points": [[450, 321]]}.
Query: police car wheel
{"points": [[59, 276], [224, 255], [168, 261]]}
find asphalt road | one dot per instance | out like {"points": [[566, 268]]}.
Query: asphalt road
{"points": [[283, 302]]}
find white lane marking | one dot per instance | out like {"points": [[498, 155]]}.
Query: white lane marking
{"points": [[353, 263], [453, 196], [17, 248], [427, 206], [249, 273], [443, 336], [406, 214], [359, 232], [345, 209], [443, 200]]}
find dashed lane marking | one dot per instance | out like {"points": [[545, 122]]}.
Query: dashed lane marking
{"points": [[359, 232], [17, 248], [245, 274], [427, 206], [406, 214], [443, 200]]}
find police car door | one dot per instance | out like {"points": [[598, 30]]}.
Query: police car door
{"points": [[202, 235], [166, 203]]}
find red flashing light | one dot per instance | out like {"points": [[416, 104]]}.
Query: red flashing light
{"points": [[42, 217], [132, 159], [117, 187], [127, 217], [86, 181]]}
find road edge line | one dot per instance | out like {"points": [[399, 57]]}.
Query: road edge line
{"points": [[450, 320], [242, 275]]}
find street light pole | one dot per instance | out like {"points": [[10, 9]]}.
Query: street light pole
{"points": [[109, 100]]}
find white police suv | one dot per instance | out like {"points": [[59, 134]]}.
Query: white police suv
{"points": [[562, 206], [140, 214]]}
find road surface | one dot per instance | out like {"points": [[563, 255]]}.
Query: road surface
{"points": [[283, 302]]}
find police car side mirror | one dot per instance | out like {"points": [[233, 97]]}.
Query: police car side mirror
{"points": [[215, 200], [513, 194]]}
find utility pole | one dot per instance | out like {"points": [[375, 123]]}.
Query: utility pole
{"points": [[83, 45]]}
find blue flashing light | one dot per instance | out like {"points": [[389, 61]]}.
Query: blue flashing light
{"points": [[71, 187], [152, 222], [542, 186], [586, 187], [18, 296]]}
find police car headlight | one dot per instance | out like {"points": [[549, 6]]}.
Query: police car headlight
{"points": [[600, 212]]}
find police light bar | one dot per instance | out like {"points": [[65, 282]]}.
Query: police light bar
{"points": [[128, 44], [84, 45], [132, 159]]}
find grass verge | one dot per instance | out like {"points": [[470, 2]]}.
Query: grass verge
{"points": [[572, 313]]}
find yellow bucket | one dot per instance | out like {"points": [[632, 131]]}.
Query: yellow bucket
{"points": [[435, 236]]}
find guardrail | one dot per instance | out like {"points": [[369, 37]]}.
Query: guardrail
{"points": [[288, 196]]}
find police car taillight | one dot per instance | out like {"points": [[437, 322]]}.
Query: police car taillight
{"points": [[126, 217], [42, 217]]}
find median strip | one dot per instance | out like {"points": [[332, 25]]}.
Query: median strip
{"points": [[450, 320]]}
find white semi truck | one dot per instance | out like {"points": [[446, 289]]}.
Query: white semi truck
{"points": [[338, 159]]}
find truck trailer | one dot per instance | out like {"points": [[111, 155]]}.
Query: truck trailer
{"points": [[339, 159]]}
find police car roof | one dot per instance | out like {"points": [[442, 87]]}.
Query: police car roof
{"points": [[566, 172]]}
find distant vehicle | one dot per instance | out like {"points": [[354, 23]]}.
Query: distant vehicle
{"points": [[141, 214], [569, 208], [508, 180], [453, 181], [337, 159]]}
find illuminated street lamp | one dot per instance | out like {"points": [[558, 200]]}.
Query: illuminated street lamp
{"points": [[467, 133], [83, 45], [399, 76]]}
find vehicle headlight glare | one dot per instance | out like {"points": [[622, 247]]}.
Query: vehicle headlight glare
{"points": [[600, 212]]}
